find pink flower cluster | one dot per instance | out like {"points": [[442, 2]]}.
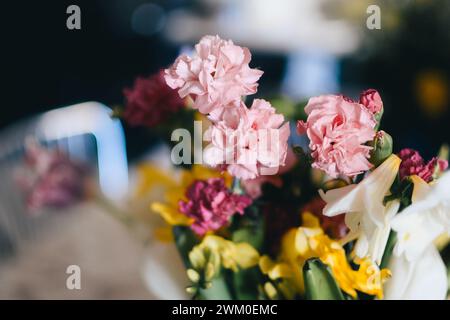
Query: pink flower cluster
{"points": [[211, 204], [248, 142], [413, 164], [338, 129], [50, 179], [150, 101], [216, 75]]}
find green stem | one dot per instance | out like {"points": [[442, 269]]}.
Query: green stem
{"points": [[236, 186], [388, 250], [218, 291]]}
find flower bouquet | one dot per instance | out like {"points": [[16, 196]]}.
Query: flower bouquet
{"points": [[282, 200]]}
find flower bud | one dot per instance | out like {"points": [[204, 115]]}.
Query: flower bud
{"points": [[382, 148], [371, 99]]}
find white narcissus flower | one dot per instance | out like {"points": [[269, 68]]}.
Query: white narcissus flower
{"points": [[420, 279], [367, 217], [418, 271], [427, 217]]}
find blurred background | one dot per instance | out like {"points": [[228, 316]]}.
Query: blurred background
{"points": [[305, 48]]}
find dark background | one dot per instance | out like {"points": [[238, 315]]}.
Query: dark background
{"points": [[45, 65]]}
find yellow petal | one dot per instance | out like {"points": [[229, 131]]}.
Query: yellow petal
{"points": [[246, 255], [270, 290], [164, 234], [151, 176], [274, 270], [171, 215], [224, 252], [309, 220]]}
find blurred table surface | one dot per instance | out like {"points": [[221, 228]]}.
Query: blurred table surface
{"points": [[109, 257]]}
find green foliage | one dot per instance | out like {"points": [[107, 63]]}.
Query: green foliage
{"points": [[248, 228], [205, 285], [402, 190], [185, 240], [292, 110], [319, 281]]}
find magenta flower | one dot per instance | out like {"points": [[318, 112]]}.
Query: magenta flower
{"points": [[371, 99], [150, 101], [211, 205], [50, 179], [338, 129], [216, 75], [413, 164]]}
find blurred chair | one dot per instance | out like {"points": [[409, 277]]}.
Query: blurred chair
{"points": [[85, 132]]}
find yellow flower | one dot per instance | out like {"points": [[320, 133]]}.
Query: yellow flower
{"points": [[283, 274], [274, 270], [214, 252], [309, 241], [270, 290], [173, 189]]}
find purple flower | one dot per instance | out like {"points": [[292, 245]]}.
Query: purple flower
{"points": [[414, 164], [151, 101], [50, 179], [211, 204]]}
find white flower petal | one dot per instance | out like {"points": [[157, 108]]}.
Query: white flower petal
{"points": [[425, 219], [365, 197], [366, 216], [424, 278]]}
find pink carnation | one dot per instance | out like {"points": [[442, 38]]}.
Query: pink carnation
{"points": [[413, 164], [338, 130], [371, 99], [150, 101], [248, 142], [215, 76], [211, 205]]}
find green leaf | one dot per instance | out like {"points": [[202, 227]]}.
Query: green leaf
{"points": [[253, 235], [246, 283], [185, 240], [319, 281], [250, 229]]}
